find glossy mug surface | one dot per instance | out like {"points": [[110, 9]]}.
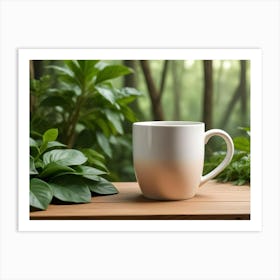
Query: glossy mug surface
{"points": [[168, 157]]}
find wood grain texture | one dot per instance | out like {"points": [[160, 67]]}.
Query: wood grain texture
{"points": [[214, 201]]}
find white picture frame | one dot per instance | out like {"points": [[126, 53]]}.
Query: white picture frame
{"points": [[138, 24], [252, 55]]}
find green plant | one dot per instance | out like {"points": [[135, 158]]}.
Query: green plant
{"points": [[60, 173], [238, 170], [85, 106]]}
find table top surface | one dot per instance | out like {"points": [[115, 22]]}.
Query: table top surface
{"points": [[214, 201]]}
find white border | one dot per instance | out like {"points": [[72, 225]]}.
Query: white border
{"points": [[254, 55]]}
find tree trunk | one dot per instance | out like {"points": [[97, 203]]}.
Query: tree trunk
{"points": [[240, 92], [38, 69], [177, 74], [218, 84], [163, 78], [243, 89], [154, 93], [32, 97], [208, 93]]}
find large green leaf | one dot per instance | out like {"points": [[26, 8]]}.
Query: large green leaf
{"points": [[94, 154], [107, 93], [103, 187], [53, 169], [99, 164], [32, 168], [101, 65], [79, 172], [126, 95], [88, 171], [103, 142], [50, 135], [128, 113], [103, 124], [40, 194], [112, 72], [71, 188], [64, 157], [55, 144], [95, 159], [114, 119]]}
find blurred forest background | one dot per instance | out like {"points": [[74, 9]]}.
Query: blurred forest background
{"points": [[93, 104]]}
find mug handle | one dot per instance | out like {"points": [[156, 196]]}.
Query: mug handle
{"points": [[230, 151]]}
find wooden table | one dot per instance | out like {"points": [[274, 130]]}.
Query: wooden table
{"points": [[214, 201]]}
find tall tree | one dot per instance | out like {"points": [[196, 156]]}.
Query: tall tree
{"points": [[239, 93], [32, 99], [177, 75], [208, 93], [154, 92], [38, 69], [243, 85], [218, 84]]}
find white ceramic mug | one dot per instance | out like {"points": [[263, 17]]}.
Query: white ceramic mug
{"points": [[168, 157]]}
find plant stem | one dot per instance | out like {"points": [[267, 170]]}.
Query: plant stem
{"points": [[73, 122], [75, 117]]}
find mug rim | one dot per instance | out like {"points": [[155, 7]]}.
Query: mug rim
{"points": [[168, 123]]}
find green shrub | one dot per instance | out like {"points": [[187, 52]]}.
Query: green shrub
{"points": [[238, 171], [60, 173], [87, 109]]}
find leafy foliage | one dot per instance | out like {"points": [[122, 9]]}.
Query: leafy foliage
{"points": [[85, 106], [238, 171], [56, 172]]}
